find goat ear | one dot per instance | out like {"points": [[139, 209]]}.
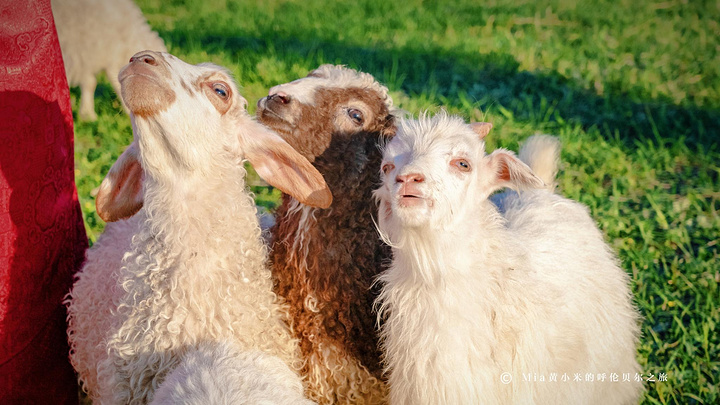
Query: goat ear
{"points": [[280, 165], [121, 192], [481, 128], [506, 170]]}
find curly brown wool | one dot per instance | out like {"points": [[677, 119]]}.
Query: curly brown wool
{"points": [[327, 277]]}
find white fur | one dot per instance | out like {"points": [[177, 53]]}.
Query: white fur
{"points": [[100, 36], [542, 154], [188, 268], [473, 293], [304, 89], [219, 373]]}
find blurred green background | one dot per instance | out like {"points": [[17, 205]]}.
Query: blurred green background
{"points": [[632, 88]]}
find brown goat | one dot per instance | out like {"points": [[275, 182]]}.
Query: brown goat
{"points": [[325, 261]]}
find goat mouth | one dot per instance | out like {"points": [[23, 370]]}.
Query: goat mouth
{"points": [[122, 79], [410, 200], [137, 70], [265, 110], [274, 121], [268, 113]]}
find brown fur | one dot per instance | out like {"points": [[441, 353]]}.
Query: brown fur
{"points": [[344, 252], [143, 90], [120, 194]]}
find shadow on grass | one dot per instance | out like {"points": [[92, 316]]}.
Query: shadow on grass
{"points": [[484, 80]]}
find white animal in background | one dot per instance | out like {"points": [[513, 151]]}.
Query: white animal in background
{"points": [[190, 265], [100, 36], [484, 307]]}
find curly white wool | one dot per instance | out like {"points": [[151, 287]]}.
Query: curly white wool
{"points": [[218, 373]]}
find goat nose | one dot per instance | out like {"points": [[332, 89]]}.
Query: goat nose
{"points": [[280, 96], [410, 178], [144, 58]]}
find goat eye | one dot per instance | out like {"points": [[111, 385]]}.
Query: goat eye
{"points": [[462, 164], [355, 115], [387, 168], [221, 90]]}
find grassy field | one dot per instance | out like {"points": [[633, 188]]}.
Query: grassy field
{"points": [[632, 88]]}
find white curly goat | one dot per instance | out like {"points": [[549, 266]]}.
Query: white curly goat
{"points": [[100, 36], [488, 307], [189, 266]]}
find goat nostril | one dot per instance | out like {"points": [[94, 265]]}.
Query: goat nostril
{"points": [[281, 97], [144, 59], [411, 178], [149, 60]]}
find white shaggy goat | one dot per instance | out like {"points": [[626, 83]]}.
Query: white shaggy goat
{"points": [[97, 36], [527, 306], [189, 266], [220, 373]]}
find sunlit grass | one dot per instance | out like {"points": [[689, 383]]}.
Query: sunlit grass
{"points": [[632, 88]]}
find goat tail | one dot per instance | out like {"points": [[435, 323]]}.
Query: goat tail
{"points": [[542, 154]]}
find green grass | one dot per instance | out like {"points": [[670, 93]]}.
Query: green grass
{"points": [[631, 87]]}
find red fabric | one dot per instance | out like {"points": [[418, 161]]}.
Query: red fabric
{"points": [[42, 238]]}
